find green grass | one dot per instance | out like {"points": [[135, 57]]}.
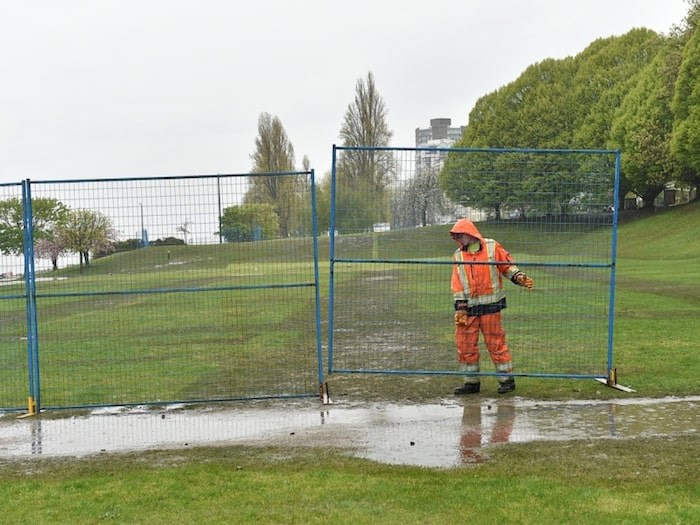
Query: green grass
{"points": [[114, 346], [641, 481], [636, 481], [102, 344]]}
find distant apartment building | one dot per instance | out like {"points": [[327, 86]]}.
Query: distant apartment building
{"points": [[440, 134]]}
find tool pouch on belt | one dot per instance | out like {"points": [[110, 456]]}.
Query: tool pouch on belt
{"points": [[461, 314], [461, 317]]}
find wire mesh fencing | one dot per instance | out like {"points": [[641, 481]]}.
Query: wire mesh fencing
{"points": [[13, 305], [391, 306], [170, 289], [205, 288]]}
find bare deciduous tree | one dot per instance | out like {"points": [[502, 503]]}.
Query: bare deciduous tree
{"points": [[184, 228]]}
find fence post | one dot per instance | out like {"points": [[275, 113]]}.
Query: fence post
{"points": [[34, 399]]}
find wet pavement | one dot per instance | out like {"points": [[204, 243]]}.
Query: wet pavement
{"points": [[449, 433]]}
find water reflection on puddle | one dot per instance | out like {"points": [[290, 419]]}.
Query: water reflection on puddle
{"points": [[451, 433]]}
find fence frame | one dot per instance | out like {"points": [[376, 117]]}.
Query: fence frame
{"points": [[34, 401], [609, 378]]}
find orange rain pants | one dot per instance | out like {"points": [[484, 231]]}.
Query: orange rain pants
{"points": [[467, 340]]}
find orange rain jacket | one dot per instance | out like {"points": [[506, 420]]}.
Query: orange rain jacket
{"points": [[481, 284]]}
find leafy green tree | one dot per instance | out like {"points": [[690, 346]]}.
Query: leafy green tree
{"points": [[47, 214], [534, 111], [471, 179], [644, 124], [274, 153], [484, 129], [249, 222], [606, 71], [567, 103], [85, 231], [686, 101], [363, 175]]}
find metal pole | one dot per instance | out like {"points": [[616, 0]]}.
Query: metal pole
{"points": [[34, 399]]}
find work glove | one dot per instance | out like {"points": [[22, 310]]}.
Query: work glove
{"points": [[461, 317], [523, 280]]}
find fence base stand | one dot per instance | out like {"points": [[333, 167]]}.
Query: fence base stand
{"points": [[611, 381], [31, 408], [325, 394]]}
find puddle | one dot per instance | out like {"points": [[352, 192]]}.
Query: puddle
{"points": [[451, 433]]}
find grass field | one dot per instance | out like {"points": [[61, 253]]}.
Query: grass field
{"points": [[186, 323], [641, 481], [237, 320]]}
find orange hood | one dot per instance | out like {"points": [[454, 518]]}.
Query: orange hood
{"points": [[466, 226]]}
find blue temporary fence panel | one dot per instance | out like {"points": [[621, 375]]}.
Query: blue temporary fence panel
{"points": [[165, 289], [390, 302]]}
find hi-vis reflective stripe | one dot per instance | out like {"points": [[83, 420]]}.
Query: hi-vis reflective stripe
{"points": [[498, 292], [504, 367]]}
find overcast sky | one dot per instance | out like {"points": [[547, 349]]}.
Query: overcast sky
{"points": [[131, 88]]}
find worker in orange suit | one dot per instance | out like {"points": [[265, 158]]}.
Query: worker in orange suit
{"points": [[479, 297]]}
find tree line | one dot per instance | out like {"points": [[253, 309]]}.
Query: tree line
{"points": [[639, 93], [57, 230], [280, 206]]}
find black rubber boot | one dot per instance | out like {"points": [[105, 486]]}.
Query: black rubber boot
{"points": [[506, 386], [468, 388]]}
